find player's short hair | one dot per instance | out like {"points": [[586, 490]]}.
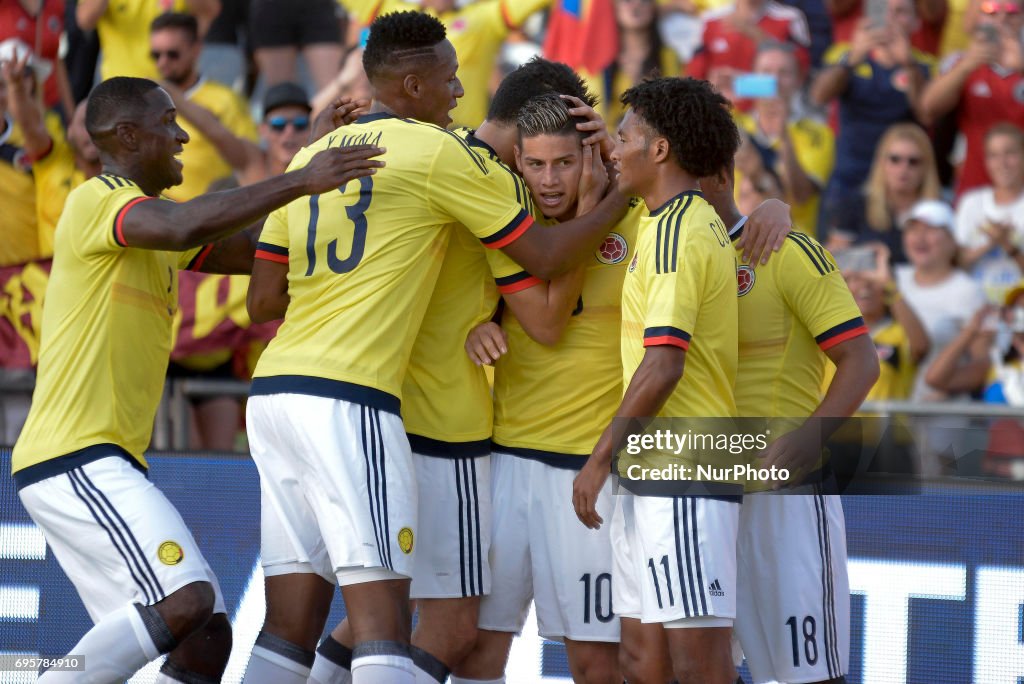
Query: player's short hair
{"points": [[537, 77], [177, 20], [400, 36], [547, 114], [692, 116], [121, 98]]}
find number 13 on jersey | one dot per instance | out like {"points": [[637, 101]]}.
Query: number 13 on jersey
{"points": [[357, 215]]}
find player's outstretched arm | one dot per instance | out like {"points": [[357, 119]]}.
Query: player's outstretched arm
{"points": [[211, 217], [549, 251], [651, 386]]}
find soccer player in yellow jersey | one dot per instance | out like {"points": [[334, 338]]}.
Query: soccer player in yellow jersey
{"points": [[352, 271], [679, 344], [446, 399], [106, 337], [476, 30], [796, 314]]}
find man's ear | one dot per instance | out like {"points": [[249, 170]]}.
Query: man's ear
{"points": [[412, 86], [660, 150], [128, 135], [519, 161]]}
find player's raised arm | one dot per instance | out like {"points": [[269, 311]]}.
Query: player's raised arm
{"points": [[139, 142]]}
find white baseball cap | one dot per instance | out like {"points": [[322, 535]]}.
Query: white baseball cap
{"points": [[14, 49], [933, 212]]}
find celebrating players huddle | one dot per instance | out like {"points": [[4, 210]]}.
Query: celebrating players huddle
{"points": [[402, 257]]}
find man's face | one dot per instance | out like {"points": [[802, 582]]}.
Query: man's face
{"points": [[551, 166], [161, 139], [1004, 161], [174, 54], [440, 87], [631, 156], [79, 138], [783, 66], [286, 130]]}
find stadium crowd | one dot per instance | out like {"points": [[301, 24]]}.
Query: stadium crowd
{"points": [[893, 133], [853, 115]]}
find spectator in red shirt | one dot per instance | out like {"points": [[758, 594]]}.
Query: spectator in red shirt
{"points": [[732, 34], [985, 84], [39, 25]]}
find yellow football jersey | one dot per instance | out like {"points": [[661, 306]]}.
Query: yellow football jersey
{"points": [[202, 163], [446, 398], [124, 34], [552, 402], [106, 335], [896, 365], [790, 310], [815, 149], [363, 260], [17, 192], [680, 289], [476, 31]]}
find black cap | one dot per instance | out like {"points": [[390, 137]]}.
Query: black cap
{"points": [[283, 95]]}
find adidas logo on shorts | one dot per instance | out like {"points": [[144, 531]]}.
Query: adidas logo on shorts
{"points": [[715, 589]]}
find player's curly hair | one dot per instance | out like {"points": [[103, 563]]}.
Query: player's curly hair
{"points": [[537, 77], [400, 36], [692, 116]]}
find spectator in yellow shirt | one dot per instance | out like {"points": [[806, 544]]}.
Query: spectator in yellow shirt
{"points": [[476, 31], [123, 25], [221, 133]]}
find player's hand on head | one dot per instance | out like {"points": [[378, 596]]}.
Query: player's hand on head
{"points": [[765, 231], [340, 112], [594, 125], [486, 343], [593, 181], [585, 490], [334, 167]]}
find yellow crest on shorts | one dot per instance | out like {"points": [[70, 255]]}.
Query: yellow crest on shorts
{"points": [[170, 553], [405, 540]]}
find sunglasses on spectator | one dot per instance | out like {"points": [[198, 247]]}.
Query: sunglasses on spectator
{"points": [[992, 7], [279, 123], [171, 54], [900, 159]]}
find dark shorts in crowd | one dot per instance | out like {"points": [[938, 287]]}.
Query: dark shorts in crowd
{"points": [[278, 23]]}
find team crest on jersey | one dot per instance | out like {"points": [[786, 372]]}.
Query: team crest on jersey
{"points": [[170, 553], [632, 264], [613, 250], [744, 279], [405, 540]]}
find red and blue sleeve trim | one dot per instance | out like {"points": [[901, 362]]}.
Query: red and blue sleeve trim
{"points": [[269, 252], [510, 233], [197, 261], [654, 337], [119, 220], [517, 283], [841, 333]]}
